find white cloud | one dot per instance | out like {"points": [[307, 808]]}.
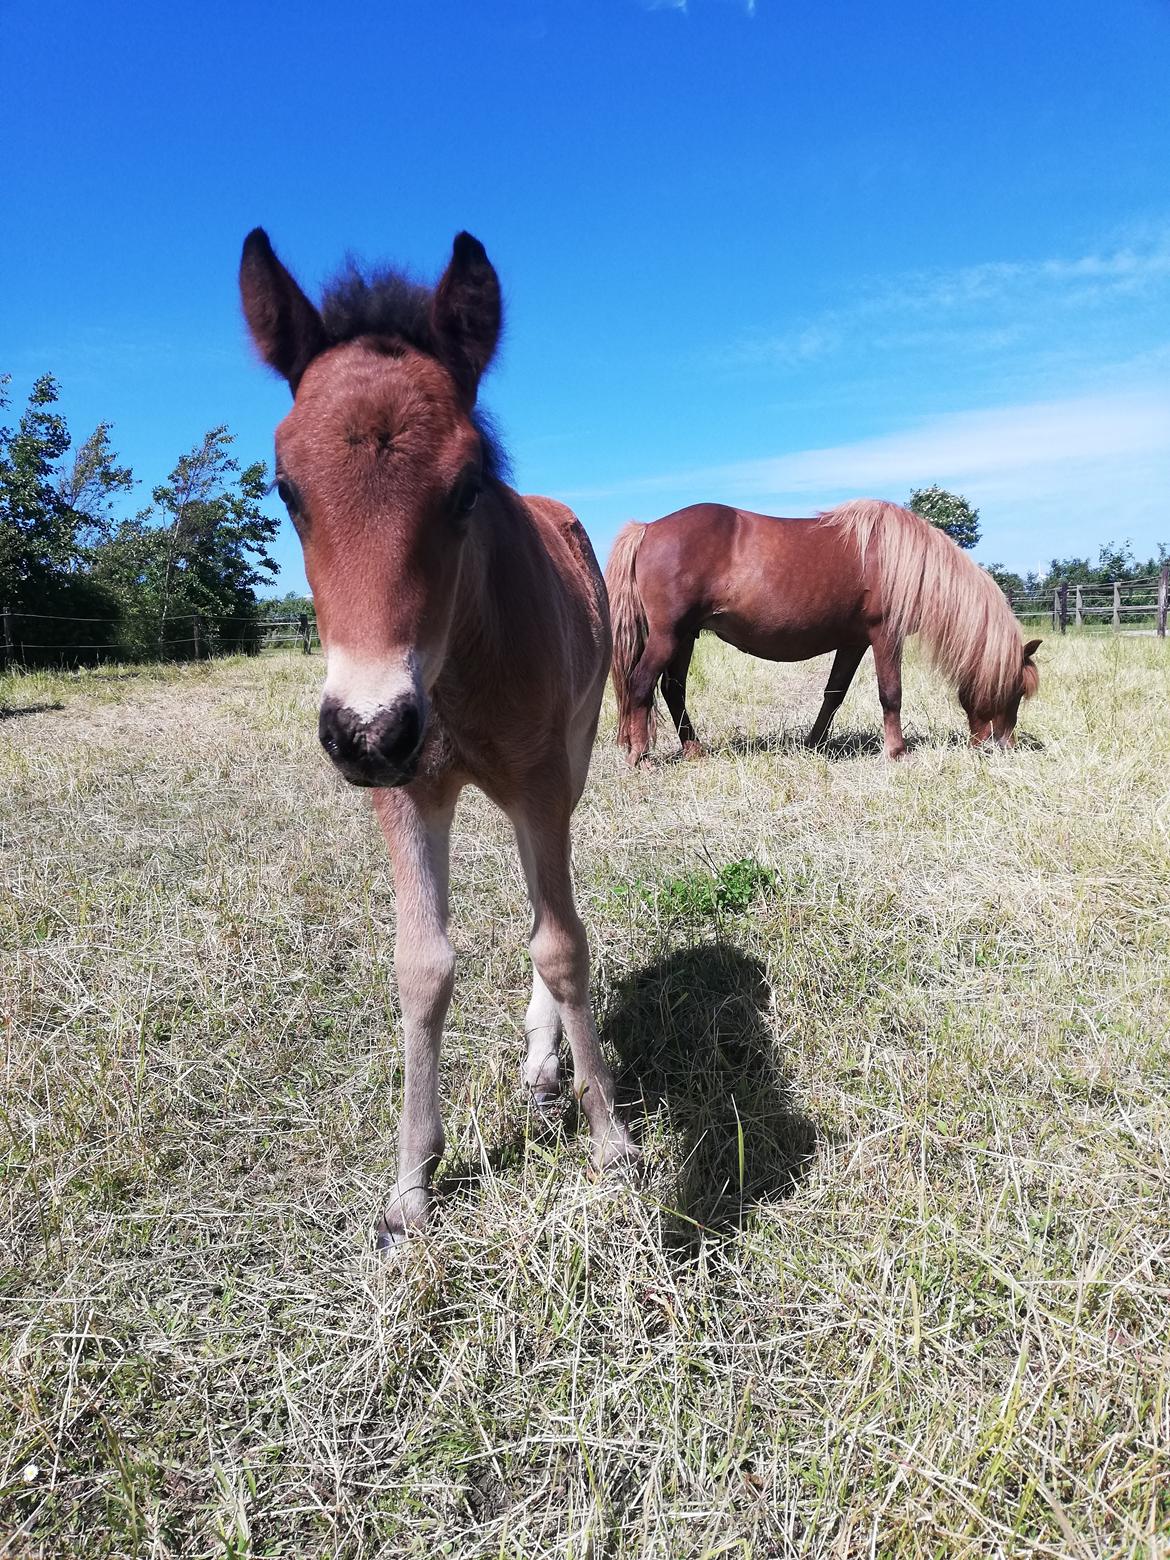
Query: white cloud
{"points": [[1048, 476]]}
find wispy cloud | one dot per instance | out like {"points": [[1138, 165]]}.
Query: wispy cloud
{"points": [[1047, 475], [980, 308], [748, 7]]}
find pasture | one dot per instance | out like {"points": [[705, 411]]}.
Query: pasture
{"points": [[894, 1283]]}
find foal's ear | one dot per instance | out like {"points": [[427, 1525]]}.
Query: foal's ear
{"points": [[285, 326], [1031, 647], [465, 313]]}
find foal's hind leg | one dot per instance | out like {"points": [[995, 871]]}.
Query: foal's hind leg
{"points": [[841, 674], [887, 660], [560, 952], [674, 691], [542, 1066]]}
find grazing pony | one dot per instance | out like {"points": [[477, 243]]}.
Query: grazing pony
{"points": [[466, 637], [866, 573]]}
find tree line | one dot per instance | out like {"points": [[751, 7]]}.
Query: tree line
{"points": [[176, 580], [180, 577]]}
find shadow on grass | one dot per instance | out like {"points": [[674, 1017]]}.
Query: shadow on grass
{"points": [[694, 1047], [15, 711], [852, 744]]}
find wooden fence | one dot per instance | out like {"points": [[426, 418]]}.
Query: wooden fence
{"points": [[1137, 605]]}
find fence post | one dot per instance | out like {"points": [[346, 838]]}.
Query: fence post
{"points": [[1163, 593], [195, 634], [9, 658], [1080, 608], [1063, 594], [303, 625], [1116, 604]]}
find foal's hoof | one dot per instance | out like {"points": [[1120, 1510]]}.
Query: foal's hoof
{"points": [[390, 1242], [617, 1156], [548, 1107], [693, 750]]}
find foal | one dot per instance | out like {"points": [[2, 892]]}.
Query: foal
{"points": [[467, 640]]}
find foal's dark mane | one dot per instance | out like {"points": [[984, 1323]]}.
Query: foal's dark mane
{"points": [[393, 307]]}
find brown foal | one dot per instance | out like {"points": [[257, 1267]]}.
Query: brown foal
{"points": [[864, 574], [467, 641]]}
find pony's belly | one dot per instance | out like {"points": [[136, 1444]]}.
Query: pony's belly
{"points": [[782, 641]]}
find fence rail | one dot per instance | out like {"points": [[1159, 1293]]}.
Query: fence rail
{"points": [[1114, 601], [26, 638]]}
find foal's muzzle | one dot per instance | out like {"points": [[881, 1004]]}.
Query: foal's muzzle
{"points": [[382, 750]]}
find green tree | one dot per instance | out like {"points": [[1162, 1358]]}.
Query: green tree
{"points": [[198, 553], [88, 486], [291, 605], [34, 538], [46, 513], [950, 512]]}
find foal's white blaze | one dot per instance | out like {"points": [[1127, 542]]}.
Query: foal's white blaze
{"points": [[365, 687]]}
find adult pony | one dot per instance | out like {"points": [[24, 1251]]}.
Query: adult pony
{"points": [[467, 641], [864, 574]]}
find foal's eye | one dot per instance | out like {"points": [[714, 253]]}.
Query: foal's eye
{"points": [[467, 496], [287, 494]]}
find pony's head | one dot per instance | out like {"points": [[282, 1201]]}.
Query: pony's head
{"points": [[999, 720], [380, 462]]}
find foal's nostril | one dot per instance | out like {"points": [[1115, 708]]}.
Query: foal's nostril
{"points": [[377, 751], [395, 737]]}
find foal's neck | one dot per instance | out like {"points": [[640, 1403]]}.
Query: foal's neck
{"points": [[479, 630]]}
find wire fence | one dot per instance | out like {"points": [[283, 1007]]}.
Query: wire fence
{"points": [[1123, 606], [27, 639]]}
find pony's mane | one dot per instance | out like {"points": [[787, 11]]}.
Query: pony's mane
{"points": [[929, 586], [394, 306]]}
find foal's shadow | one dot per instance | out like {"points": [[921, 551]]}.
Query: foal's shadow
{"points": [[694, 1050]]}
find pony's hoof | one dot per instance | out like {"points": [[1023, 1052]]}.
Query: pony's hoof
{"points": [[693, 750]]}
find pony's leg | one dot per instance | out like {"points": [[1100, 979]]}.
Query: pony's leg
{"points": [[1003, 728], [841, 674], [658, 653], [560, 953], [417, 830], [674, 691], [542, 1067], [887, 660]]}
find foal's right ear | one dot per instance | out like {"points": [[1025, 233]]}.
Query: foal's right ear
{"points": [[285, 326]]}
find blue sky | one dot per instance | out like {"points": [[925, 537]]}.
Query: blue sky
{"points": [[776, 253]]}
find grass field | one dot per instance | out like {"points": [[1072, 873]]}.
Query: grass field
{"points": [[895, 1282]]}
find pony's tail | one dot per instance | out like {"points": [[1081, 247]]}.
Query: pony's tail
{"points": [[628, 617], [927, 585]]}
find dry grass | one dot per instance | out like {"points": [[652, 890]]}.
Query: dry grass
{"points": [[896, 1282]]}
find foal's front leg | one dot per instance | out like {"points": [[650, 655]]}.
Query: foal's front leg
{"points": [[417, 829], [560, 953]]}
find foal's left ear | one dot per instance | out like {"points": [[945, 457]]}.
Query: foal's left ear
{"points": [[1031, 648], [465, 313], [285, 326]]}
